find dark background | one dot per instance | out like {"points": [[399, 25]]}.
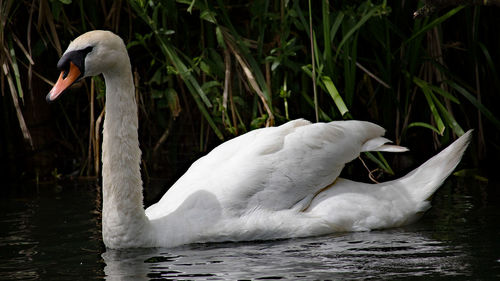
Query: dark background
{"points": [[457, 52]]}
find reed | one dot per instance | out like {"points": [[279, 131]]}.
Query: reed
{"points": [[206, 71]]}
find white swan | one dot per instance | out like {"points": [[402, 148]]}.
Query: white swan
{"points": [[270, 183]]}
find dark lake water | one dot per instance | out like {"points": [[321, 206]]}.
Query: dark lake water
{"points": [[53, 233]]}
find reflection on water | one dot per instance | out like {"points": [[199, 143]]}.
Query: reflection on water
{"points": [[54, 234], [51, 234], [381, 254]]}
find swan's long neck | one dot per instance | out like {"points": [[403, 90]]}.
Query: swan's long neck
{"points": [[124, 223]]}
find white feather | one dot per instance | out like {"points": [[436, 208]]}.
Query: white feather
{"points": [[269, 183]]}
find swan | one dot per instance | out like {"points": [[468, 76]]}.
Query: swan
{"points": [[270, 183]]}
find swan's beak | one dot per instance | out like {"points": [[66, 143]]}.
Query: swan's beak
{"points": [[66, 79]]}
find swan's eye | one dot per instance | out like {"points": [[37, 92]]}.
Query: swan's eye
{"points": [[77, 57], [87, 50], [65, 70]]}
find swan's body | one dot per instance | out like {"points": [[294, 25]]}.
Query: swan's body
{"points": [[270, 183]]}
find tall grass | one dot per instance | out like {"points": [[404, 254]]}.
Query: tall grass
{"points": [[207, 71]]}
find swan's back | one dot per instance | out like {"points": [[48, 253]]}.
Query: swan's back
{"points": [[272, 168]]}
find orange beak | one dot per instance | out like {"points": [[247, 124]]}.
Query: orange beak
{"points": [[63, 82]]}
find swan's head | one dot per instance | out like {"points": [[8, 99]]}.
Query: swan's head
{"points": [[90, 54]]}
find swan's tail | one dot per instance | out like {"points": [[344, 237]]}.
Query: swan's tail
{"points": [[352, 206], [422, 182]]}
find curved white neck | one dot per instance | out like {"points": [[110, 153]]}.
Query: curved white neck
{"points": [[124, 223]]}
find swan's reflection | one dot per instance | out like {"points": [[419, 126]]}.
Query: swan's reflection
{"points": [[127, 264], [392, 253]]}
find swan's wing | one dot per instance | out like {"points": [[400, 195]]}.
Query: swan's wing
{"points": [[273, 168]]}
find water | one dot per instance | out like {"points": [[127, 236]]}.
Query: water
{"points": [[53, 233]]}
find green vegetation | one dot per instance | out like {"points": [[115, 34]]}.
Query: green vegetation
{"points": [[207, 71]]}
